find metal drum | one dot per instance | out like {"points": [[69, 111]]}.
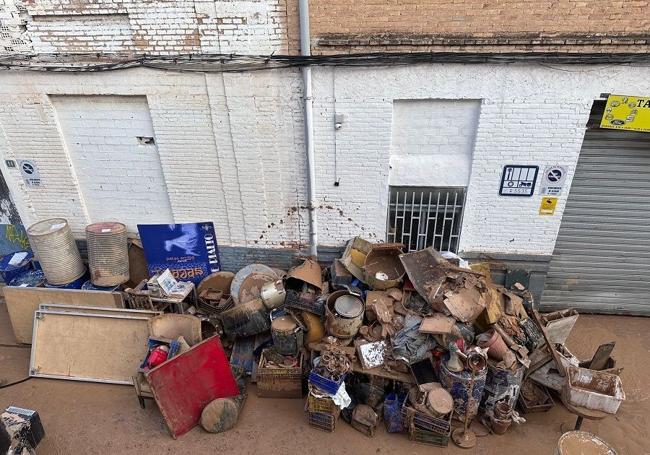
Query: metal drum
{"points": [[108, 253], [56, 250], [287, 335], [344, 314]]}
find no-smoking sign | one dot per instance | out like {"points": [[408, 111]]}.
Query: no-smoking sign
{"points": [[553, 180]]}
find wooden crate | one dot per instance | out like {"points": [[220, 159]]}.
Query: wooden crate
{"points": [[279, 382]]}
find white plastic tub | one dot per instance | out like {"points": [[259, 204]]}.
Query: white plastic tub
{"points": [[592, 389]]}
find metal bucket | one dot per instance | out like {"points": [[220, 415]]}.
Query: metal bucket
{"points": [[346, 322], [273, 294], [108, 253], [578, 442], [458, 385], [56, 250], [287, 335]]}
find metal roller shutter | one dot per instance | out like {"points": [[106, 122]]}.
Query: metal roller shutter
{"points": [[601, 261]]}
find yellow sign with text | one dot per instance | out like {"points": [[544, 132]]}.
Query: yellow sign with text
{"points": [[624, 112], [547, 206]]}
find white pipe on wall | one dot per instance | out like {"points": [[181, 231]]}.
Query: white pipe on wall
{"points": [[305, 50]]}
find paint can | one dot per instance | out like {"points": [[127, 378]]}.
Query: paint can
{"points": [[344, 314], [273, 294], [287, 335], [458, 385]]}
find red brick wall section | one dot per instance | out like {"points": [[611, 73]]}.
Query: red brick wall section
{"points": [[471, 25]]}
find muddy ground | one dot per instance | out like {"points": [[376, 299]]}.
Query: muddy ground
{"points": [[98, 418]]}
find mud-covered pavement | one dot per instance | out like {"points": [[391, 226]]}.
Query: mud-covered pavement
{"points": [[106, 419]]}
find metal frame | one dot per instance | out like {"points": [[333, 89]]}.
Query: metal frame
{"points": [[38, 315], [63, 308], [435, 213]]}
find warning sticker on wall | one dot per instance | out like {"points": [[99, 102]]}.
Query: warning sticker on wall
{"points": [[553, 180], [624, 112], [547, 206], [29, 171]]}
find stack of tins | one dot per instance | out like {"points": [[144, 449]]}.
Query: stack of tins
{"points": [[56, 250], [108, 253]]}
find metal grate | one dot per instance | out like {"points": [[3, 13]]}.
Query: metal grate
{"points": [[424, 217]]}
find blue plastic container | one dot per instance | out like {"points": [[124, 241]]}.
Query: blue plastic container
{"points": [[29, 279], [10, 271], [76, 284], [325, 384], [89, 286]]}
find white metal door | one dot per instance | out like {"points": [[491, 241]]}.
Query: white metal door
{"points": [[112, 148]]}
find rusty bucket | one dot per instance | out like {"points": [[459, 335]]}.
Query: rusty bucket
{"points": [[287, 335], [343, 314]]}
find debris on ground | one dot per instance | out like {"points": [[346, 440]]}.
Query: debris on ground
{"points": [[422, 340]]}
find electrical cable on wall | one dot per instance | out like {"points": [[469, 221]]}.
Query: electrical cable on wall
{"points": [[221, 63]]}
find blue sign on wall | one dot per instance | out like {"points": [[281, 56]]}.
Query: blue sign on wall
{"points": [[189, 250]]}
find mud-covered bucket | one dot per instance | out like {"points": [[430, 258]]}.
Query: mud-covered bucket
{"points": [[582, 443]]}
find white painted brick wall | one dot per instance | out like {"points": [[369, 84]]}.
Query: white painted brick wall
{"points": [[231, 145], [432, 142], [159, 27], [529, 114]]}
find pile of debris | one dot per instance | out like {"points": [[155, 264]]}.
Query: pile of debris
{"points": [[422, 340]]}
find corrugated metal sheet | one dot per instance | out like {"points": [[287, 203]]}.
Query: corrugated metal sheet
{"points": [[601, 261]]}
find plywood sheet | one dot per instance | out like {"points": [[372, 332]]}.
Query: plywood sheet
{"points": [[185, 384], [23, 302], [88, 347]]}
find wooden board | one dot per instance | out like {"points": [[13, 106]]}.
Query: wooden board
{"points": [[438, 324], [184, 385], [171, 326], [88, 347], [23, 302]]}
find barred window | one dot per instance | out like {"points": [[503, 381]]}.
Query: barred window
{"points": [[424, 217]]}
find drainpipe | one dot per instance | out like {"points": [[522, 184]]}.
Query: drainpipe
{"points": [[305, 50]]}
